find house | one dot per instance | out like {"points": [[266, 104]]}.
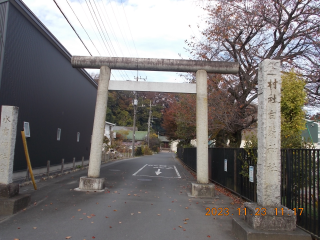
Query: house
{"points": [[109, 131]]}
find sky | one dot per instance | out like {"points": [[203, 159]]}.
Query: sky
{"points": [[130, 28]]}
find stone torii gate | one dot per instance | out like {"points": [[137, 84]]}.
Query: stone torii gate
{"points": [[105, 64]]}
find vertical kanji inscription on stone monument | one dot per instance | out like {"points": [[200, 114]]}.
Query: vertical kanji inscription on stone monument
{"points": [[269, 133], [8, 132]]}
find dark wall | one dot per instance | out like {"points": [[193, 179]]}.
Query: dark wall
{"points": [[50, 94]]}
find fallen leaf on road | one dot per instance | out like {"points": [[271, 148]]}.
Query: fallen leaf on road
{"points": [[208, 236], [84, 213], [129, 194], [81, 218], [139, 212], [88, 217], [186, 219], [159, 214], [68, 237], [185, 223], [110, 227], [34, 227], [107, 217], [79, 210], [16, 239], [115, 210], [92, 215], [132, 213], [174, 228], [120, 222], [93, 237], [186, 207], [180, 226]]}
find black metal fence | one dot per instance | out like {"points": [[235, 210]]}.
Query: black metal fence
{"points": [[300, 171]]}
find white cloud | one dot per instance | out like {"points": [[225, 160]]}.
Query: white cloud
{"points": [[134, 28]]}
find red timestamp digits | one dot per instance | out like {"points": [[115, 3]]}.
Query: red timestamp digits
{"points": [[217, 211]]}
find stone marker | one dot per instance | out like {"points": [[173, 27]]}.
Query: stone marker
{"points": [[268, 215], [10, 200], [9, 120]]}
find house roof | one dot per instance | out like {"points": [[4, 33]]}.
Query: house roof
{"points": [[117, 128], [110, 124], [139, 135], [163, 139]]}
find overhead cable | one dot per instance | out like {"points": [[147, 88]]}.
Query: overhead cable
{"points": [[72, 26], [83, 27]]}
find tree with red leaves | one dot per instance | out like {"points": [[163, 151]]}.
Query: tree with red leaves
{"points": [[248, 32]]}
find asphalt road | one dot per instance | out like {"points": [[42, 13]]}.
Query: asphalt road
{"points": [[146, 198]]}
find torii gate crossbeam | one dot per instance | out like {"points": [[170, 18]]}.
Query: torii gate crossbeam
{"points": [[93, 182]]}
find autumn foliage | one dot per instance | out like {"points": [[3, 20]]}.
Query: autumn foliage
{"points": [[248, 32]]}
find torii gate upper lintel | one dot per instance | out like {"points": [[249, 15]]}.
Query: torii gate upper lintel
{"points": [[105, 64]]}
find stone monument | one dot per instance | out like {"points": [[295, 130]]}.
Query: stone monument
{"points": [[268, 219], [10, 199]]}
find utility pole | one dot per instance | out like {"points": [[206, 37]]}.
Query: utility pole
{"points": [[149, 123], [135, 104]]}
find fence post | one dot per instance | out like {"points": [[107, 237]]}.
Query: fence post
{"points": [[48, 168], [62, 165], [235, 170], [288, 177], [82, 160], [74, 163]]}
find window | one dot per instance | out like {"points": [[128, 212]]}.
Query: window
{"points": [[26, 129], [58, 134], [78, 136]]}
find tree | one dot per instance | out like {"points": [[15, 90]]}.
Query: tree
{"points": [[248, 32], [293, 98], [179, 119]]}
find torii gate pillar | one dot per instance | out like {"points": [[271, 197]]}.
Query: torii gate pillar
{"points": [[202, 188]]}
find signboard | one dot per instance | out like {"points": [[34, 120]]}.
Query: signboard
{"points": [[225, 165], [251, 170]]}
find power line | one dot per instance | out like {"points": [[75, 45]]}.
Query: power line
{"points": [[129, 29], [97, 27], [107, 35], [83, 27], [99, 30], [115, 16], [105, 13], [72, 26]]}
